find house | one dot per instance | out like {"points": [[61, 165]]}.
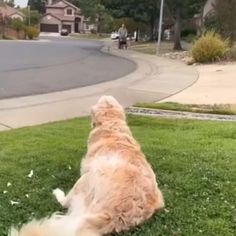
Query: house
{"points": [[10, 12], [61, 14]]}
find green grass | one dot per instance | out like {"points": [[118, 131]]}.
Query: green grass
{"points": [[195, 163], [5, 37], [90, 36], [150, 47], [224, 109]]}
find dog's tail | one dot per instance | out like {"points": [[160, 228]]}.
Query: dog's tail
{"points": [[95, 225], [61, 225]]}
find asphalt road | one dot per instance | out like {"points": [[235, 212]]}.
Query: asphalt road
{"points": [[28, 68]]}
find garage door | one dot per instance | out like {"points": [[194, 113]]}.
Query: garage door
{"points": [[68, 27], [49, 28]]}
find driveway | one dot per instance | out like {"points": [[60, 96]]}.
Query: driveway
{"points": [[56, 64]]}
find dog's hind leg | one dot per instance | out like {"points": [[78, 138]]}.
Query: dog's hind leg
{"points": [[65, 200]]}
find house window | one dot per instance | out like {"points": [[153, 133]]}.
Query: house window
{"points": [[69, 12]]}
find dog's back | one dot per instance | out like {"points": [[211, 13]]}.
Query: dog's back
{"points": [[123, 182]]}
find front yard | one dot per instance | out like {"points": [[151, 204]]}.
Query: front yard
{"points": [[194, 161], [150, 47]]}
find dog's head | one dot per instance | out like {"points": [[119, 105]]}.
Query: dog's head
{"points": [[106, 109]]}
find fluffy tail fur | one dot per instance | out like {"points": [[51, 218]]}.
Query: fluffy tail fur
{"points": [[69, 225]]}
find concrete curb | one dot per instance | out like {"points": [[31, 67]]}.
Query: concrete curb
{"points": [[179, 114], [154, 79]]}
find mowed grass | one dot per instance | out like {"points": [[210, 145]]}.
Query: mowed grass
{"points": [[151, 47], [90, 36], [195, 164]]}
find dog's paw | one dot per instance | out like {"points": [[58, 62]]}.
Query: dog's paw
{"points": [[59, 194]]}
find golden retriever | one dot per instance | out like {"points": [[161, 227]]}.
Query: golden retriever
{"points": [[117, 189]]}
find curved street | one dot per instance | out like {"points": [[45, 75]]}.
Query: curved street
{"points": [[56, 64]]}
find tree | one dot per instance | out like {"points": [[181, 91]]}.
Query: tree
{"points": [[32, 17], [3, 23], [38, 5], [225, 16], [145, 11], [183, 9], [10, 3], [89, 8], [96, 12], [18, 25]]}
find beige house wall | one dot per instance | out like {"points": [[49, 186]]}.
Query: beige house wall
{"points": [[56, 11]]}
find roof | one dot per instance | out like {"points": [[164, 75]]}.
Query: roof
{"points": [[8, 11], [62, 4]]}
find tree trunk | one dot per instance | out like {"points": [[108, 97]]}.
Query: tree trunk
{"points": [[98, 24], [177, 31], [152, 24], [201, 27], [137, 35]]}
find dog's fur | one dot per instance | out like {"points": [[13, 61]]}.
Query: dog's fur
{"points": [[117, 189]]}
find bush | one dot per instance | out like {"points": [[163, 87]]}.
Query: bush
{"points": [[6, 37], [189, 38], [212, 23], [209, 47], [93, 31], [231, 54], [31, 32], [188, 31], [17, 24]]}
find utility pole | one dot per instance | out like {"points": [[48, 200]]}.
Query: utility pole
{"points": [[160, 27], [29, 15]]}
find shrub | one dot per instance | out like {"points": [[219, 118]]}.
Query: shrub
{"points": [[209, 47], [17, 25], [190, 38], [231, 54], [6, 37], [31, 32], [188, 31], [93, 31], [211, 22]]}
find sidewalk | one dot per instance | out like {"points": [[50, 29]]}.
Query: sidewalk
{"points": [[155, 79], [216, 85]]}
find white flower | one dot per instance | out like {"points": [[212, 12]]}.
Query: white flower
{"points": [[14, 203], [30, 175]]}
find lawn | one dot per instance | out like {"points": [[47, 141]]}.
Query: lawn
{"points": [[195, 163], [150, 47], [224, 109], [90, 36]]}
